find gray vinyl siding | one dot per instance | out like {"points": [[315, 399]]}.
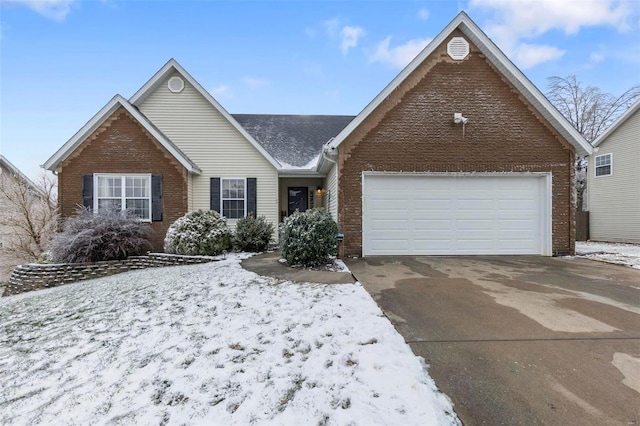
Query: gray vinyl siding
{"points": [[614, 201], [213, 143], [331, 196]]}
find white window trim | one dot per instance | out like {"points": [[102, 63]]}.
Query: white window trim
{"points": [[595, 168], [222, 199], [123, 197]]}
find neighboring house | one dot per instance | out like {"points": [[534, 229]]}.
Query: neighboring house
{"points": [[614, 181], [403, 177], [12, 180]]}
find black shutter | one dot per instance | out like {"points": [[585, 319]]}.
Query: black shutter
{"points": [[87, 191], [156, 198], [252, 196], [214, 194]]}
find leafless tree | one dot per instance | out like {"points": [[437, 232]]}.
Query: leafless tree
{"points": [[590, 111], [29, 214]]}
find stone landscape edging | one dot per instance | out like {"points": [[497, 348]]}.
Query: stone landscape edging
{"points": [[36, 276]]}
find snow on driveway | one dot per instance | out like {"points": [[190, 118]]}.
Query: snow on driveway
{"points": [[208, 344], [624, 254]]}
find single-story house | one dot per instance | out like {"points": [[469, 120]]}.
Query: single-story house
{"points": [[459, 154], [613, 181]]}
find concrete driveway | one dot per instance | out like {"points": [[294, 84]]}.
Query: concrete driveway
{"points": [[519, 340]]}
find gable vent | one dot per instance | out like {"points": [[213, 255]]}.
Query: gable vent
{"points": [[175, 84], [458, 48]]}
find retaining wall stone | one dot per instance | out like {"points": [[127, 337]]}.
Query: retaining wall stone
{"points": [[34, 276]]}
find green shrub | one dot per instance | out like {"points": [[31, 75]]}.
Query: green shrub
{"points": [[93, 237], [198, 233], [253, 234], [309, 238]]}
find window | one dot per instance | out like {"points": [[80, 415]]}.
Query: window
{"points": [[603, 165], [233, 198], [128, 192]]}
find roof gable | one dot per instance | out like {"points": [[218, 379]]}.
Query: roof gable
{"points": [[97, 120], [633, 109], [499, 60], [172, 67]]}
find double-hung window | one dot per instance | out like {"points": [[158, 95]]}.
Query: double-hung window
{"points": [[131, 192], [234, 200], [604, 165]]}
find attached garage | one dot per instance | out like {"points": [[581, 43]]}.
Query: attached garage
{"points": [[459, 155], [456, 214]]}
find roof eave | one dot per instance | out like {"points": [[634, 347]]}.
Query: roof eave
{"points": [[619, 122], [306, 173], [16, 171]]}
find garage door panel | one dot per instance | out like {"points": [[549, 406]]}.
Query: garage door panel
{"points": [[395, 225], [519, 225], [474, 225], [432, 205], [444, 223], [453, 215]]}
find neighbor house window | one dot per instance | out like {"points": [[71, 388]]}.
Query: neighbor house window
{"points": [[603, 165], [233, 198], [124, 192]]}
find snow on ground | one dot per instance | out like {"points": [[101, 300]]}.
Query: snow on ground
{"points": [[208, 344], [624, 254]]}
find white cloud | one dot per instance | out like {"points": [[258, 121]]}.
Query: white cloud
{"points": [[51, 9], [255, 82], [513, 22], [398, 56], [350, 36], [221, 91], [332, 26], [423, 14], [596, 57], [530, 55], [530, 18]]}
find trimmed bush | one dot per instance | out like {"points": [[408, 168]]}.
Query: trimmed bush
{"points": [[252, 234], [309, 238], [198, 233], [89, 237]]}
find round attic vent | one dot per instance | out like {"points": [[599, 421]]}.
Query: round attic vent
{"points": [[175, 84], [458, 48]]}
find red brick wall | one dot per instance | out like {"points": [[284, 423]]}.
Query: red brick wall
{"points": [[122, 145], [413, 130]]}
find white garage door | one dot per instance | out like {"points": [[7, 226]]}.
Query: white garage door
{"points": [[455, 215]]}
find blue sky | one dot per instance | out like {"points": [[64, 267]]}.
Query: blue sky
{"points": [[63, 60]]}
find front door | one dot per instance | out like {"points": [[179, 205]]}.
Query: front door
{"points": [[298, 199]]}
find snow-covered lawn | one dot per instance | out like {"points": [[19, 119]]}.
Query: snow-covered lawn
{"points": [[208, 344], [624, 254]]}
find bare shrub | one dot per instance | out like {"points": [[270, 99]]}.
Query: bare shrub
{"points": [[92, 237]]}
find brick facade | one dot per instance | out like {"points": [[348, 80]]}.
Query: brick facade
{"points": [[413, 131], [122, 145]]}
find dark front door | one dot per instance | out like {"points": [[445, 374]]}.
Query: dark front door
{"points": [[298, 199]]}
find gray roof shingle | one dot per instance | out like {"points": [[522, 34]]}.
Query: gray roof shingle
{"points": [[293, 140]]}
